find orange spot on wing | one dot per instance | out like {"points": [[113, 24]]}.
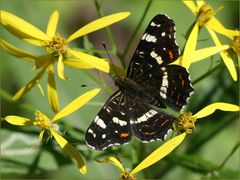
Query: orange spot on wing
{"points": [[149, 133], [124, 135], [170, 53]]}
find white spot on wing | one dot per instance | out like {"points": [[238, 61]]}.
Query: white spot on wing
{"points": [[104, 136], [100, 122], [149, 38], [157, 57], [146, 116], [91, 132], [118, 121], [163, 95]]}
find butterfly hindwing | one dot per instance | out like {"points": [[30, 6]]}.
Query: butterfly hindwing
{"points": [[148, 124], [111, 125], [170, 84]]}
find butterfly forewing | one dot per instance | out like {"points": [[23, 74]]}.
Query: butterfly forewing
{"points": [[156, 47]]}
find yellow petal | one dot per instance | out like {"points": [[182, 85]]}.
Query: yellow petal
{"points": [[16, 51], [114, 161], [21, 28], [96, 62], [19, 121], [52, 24], [190, 47], [217, 26], [52, 90], [200, 3], [76, 104], [159, 153], [60, 68], [29, 85], [207, 52], [70, 150], [191, 5], [41, 134], [213, 107], [98, 24], [75, 63], [225, 56]]}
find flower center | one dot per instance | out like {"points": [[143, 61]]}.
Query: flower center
{"points": [[57, 46], [206, 13], [42, 120], [127, 176], [236, 44], [186, 122]]}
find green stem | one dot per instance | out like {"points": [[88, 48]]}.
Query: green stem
{"points": [[136, 29], [109, 33], [230, 154]]}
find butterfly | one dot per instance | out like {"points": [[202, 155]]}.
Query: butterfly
{"points": [[151, 83]]}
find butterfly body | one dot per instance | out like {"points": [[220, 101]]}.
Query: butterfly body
{"points": [[151, 84]]}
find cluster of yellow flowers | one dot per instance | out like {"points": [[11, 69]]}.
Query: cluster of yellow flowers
{"points": [[58, 51]]}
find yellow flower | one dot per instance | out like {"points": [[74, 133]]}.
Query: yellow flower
{"points": [[155, 156], [185, 125], [205, 17], [46, 124], [57, 48]]}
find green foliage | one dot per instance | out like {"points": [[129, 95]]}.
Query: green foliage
{"points": [[200, 156]]}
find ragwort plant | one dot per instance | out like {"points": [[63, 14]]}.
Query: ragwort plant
{"points": [[58, 52]]}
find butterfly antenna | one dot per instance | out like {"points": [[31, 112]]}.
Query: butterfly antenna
{"points": [[111, 65]]}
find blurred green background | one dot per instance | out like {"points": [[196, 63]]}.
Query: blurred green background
{"points": [[213, 140]]}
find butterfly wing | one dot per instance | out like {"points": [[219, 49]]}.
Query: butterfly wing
{"points": [[111, 125], [156, 47], [149, 66], [148, 124]]}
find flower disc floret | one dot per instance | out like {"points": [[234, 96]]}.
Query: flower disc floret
{"points": [[127, 176], [57, 46], [236, 44], [206, 13], [42, 120], [186, 122]]}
